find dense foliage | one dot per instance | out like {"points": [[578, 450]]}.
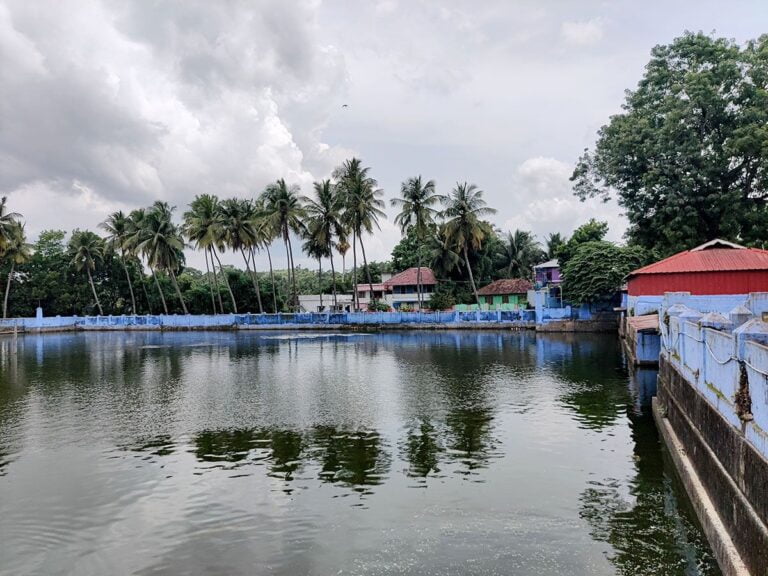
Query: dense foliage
{"points": [[597, 270], [688, 156]]}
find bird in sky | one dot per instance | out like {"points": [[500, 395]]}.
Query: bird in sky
{"points": [[344, 106]]}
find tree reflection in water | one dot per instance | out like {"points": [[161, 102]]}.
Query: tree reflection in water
{"points": [[648, 528], [356, 459], [353, 458], [423, 448]]}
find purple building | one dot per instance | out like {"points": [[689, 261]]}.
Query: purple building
{"points": [[547, 273]]}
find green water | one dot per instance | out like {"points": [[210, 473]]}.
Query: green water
{"points": [[400, 453]]}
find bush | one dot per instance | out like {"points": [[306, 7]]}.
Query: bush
{"points": [[378, 306], [441, 301]]}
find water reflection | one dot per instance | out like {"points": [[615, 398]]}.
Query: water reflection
{"points": [[495, 446], [423, 449], [649, 530], [594, 375], [357, 459]]}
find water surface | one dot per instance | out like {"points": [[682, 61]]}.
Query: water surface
{"points": [[396, 453]]}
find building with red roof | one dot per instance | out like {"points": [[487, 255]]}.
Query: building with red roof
{"points": [[715, 268], [400, 289], [505, 293]]}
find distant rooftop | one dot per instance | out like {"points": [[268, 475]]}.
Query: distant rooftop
{"points": [[408, 277], [506, 286], [548, 264]]}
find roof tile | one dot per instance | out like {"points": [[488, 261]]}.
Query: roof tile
{"points": [[506, 286], [408, 277]]}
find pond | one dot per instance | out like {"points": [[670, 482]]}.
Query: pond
{"points": [[315, 454]]}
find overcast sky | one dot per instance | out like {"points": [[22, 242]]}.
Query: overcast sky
{"points": [[112, 104]]}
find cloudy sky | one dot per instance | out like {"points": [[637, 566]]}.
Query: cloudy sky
{"points": [[111, 104]]}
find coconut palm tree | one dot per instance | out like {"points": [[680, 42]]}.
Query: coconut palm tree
{"points": [[464, 229], [324, 224], [88, 250], [521, 251], [134, 237], [553, 242], [417, 212], [8, 223], [363, 207], [315, 247], [202, 223], [442, 256], [265, 235], [342, 247], [284, 213], [240, 235], [117, 227], [17, 252], [163, 244], [137, 242]]}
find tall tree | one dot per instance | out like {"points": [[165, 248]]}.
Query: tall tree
{"points": [[464, 228], [553, 242], [202, 224], [284, 213], [17, 252], [521, 252], [135, 243], [315, 247], [687, 156], [342, 247], [87, 250], [265, 235], [8, 223], [591, 231], [240, 235], [117, 226], [363, 207], [324, 224], [597, 270], [417, 211], [164, 244]]}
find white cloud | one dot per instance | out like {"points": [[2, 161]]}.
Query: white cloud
{"points": [[108, 104], [583, 32], [549, 204]]}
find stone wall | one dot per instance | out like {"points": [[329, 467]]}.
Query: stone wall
{"points": [[712, 410]]}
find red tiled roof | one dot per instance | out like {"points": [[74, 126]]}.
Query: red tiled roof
{"points": [[507, 286], [365, 287], [717, 258], [408, 277]]}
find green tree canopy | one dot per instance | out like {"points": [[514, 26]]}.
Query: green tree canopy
{"points": [[688, 156], [597, 270], [592, 231]]}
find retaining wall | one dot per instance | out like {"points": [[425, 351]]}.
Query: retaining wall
{"points": [[307, 320], [712, 411]]}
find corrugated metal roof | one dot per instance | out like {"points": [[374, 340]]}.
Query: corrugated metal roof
{"points": [[706, 259], [408, 277], [506, 286], [548, 264]]}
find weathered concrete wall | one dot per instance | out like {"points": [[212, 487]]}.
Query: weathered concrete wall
{"points": [[730, 370], [712, 410], [642, 305], [731, 471]]}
